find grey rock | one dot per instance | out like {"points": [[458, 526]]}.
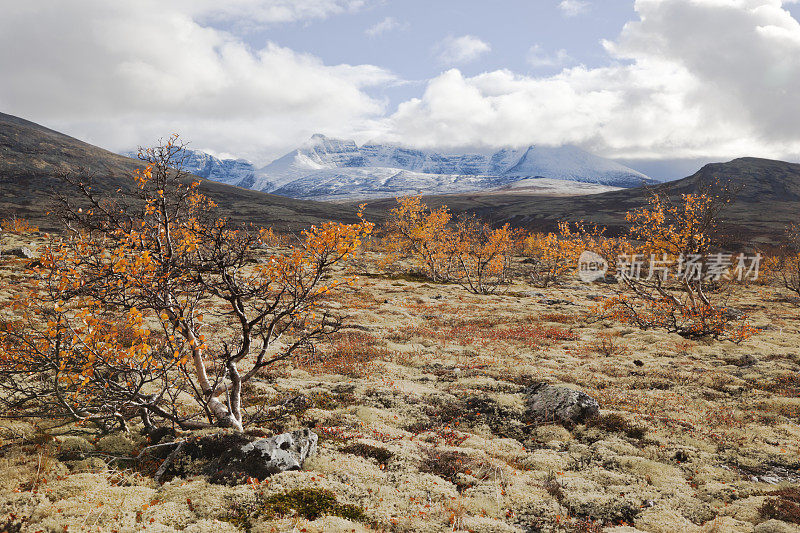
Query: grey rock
{"points": [[531, 294], [287, 451], [771, 473], [23, 251], [608, 280], [233, 458], [555, 301], [732, 313], [546, 403]]}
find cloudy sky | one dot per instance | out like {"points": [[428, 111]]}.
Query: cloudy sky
{"points": [[660, 84]]}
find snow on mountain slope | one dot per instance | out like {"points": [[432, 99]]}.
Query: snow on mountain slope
{"points": [[321, 152], [231, 171], [572, 163], [238, 172], [322, 162], [553, 187], [317, 153], [326, 168], [381, 182]]}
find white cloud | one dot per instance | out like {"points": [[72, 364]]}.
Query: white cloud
{"points": [[538, 57], [386, 25], [263, 11], [119, 76], [744, 56], [573, 8], [691, 78], [460, 50]]}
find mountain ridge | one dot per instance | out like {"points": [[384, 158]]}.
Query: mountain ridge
{"points": [[767, 200], [31, 156], [336, 169]]}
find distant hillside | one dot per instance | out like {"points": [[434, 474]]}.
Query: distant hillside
{"points": [[768, 200], [31, 156]]}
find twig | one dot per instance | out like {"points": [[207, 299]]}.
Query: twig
{"points": [[168, 462]]}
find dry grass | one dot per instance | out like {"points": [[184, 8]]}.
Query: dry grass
{"points": [[609, 345], [347, 353]]}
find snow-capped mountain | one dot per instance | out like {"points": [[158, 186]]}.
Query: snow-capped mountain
{"points": [[238, 172], [230, 171], [381, 182], [572, 163], [333, 169]]}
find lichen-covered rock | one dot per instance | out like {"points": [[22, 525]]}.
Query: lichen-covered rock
{"points": [[287, 451], [231, 458], [22, 252], [546, 403]]}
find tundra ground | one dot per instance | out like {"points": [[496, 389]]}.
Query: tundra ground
{"points": [[420, 409]]}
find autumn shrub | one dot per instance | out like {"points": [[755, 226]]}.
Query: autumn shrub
{"points": [[483, 255], [554, 256], [771, 268], [617, 423], [17, 225], [456, 467], [381, 455], [790, 261], [308, 503], [13, 226], [115, 320], [348, 353], [466, 251], [421, 234], [791, 273], [473, 333], [668, 280], [560, 318]]}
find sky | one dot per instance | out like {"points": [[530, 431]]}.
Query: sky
{"points": [[661, 85]]}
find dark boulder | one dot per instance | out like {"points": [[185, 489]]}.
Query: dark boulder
{"points": [[546, 403]]}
